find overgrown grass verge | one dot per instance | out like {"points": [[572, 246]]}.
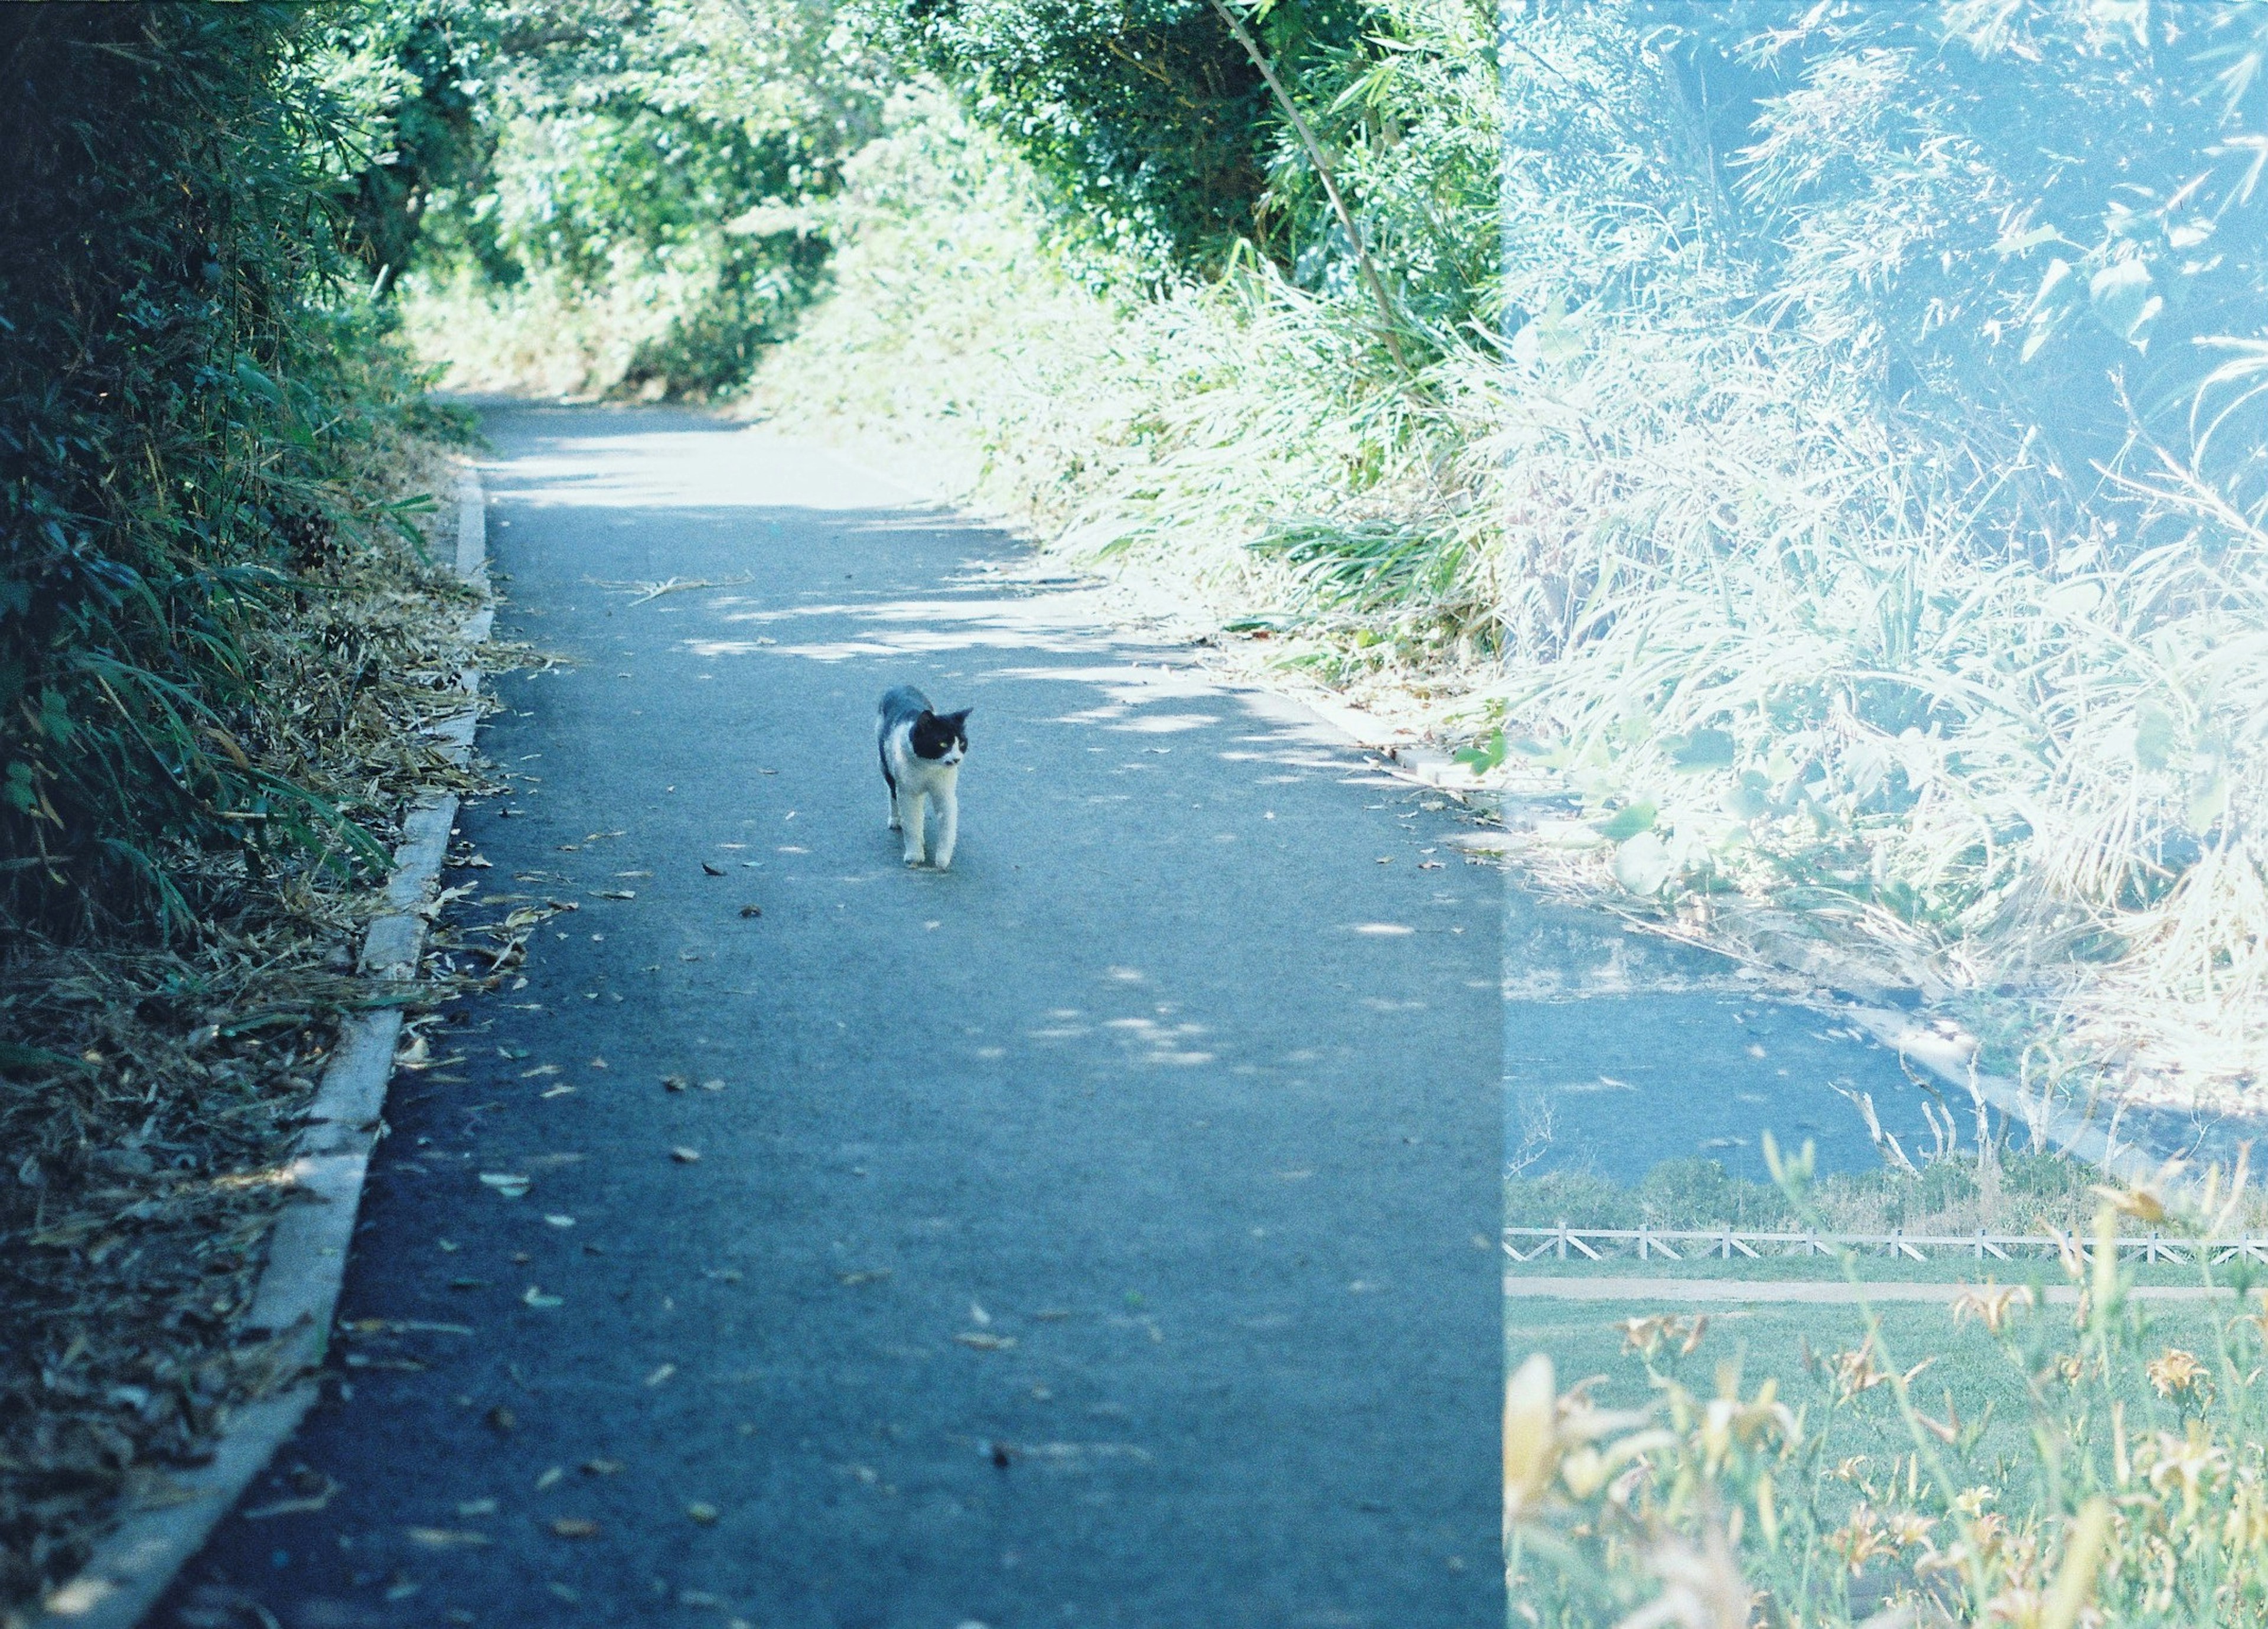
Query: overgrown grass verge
{"points": [[148, 1091]]}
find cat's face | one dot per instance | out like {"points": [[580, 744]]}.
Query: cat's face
{"points": [[942, 738]]}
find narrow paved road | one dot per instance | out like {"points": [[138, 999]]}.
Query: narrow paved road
{"points": [[1098, 1234]]}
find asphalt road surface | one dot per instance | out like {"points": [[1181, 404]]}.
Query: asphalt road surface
{"points": [[1100, 1233]]}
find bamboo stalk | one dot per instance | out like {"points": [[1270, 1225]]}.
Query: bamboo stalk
{"points": [[1387, 311]]}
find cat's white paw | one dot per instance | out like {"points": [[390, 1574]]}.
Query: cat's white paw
{"points": [[914, 857]]}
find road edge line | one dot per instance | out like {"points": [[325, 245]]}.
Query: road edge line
{"points": [[298, 1290]]}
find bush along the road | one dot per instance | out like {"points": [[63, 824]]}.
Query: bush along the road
{"points": [[1841, 472], [2129, 1488], [222, 632], [190, 413]]}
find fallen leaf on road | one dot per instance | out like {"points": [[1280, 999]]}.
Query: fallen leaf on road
{"points": [[502, 1418], [574, 1527], [686, 1156], [295, 1507], [476, 1508], [713, 870], [559, 1091], [752, 910], [983, 1342], [712, 1085], [538, 1072], [614, 893], [872, 1275], [548, 1480], [601, 1467], [723, 1275], [560, 1221], [674, 1083], [535, 1297], [701, 1513], [446, 1538], [661, 1374], [506, 1185]]}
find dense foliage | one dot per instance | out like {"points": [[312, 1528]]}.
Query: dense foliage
{"points": [[2040, 214], [1151, 127], [626, 206], [180, 400], [1145, 115]]}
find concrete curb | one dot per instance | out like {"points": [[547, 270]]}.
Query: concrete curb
{"points": [[298, 1289]]}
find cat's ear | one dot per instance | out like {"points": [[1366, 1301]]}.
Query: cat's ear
{"points": [[957, 718]]}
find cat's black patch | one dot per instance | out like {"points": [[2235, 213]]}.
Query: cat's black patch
{"points": [[934, 734], [937, 734]]}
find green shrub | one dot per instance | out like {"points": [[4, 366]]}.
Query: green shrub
{"points": [[1144, 116], [180, 395]]}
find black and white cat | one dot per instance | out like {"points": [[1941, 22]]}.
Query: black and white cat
{"points": [[921, 760]]}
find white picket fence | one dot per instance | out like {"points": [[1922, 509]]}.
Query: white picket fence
{"points": [[1565, 1243]]}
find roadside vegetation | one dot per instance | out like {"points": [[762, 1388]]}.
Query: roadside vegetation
{"points": [[222, 633]]}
